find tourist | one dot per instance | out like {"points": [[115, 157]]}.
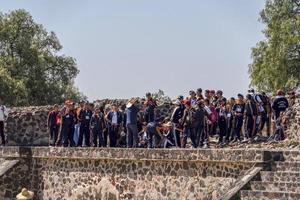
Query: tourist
{"points": [[114, 121], [67, 127], [251, 113], [201, 138], [155, 133], [53, 124], [280, 103], [84, 118], [77, 125], [150, 105], [238, 113], [192, 98], [97, 126], [222, 120], [131, 123], [176, 116], [3, 117], [199, 94], [230, 121], [266, 114]]}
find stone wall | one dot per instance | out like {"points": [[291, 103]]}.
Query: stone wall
{"points": [[94, 173]]}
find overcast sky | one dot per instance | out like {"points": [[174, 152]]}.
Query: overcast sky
{"points": [[125, 48]]}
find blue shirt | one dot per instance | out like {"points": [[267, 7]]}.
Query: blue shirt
{"points": [[131, 115]]}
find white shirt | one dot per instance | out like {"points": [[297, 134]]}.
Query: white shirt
{"points": [[114, 119], [3, 113]]}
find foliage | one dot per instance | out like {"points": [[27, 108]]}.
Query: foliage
{"points": [[161, 97], [276, 60], [31, 69]]}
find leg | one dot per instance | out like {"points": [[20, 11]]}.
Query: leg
{"points": [[135, 136], [101, 141], [95, 137], [129, 137], [87, 136], [2, 132], [80, 138]]}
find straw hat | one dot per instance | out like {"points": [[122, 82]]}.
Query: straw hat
{"points": [[131, 102], [25, 194]]}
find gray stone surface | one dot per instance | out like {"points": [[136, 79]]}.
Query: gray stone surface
{"points": [[5, 165]]}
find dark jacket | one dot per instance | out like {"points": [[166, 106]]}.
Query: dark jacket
{"points": [[177, 114], [119, 117], [85, 117], [52, 119], [97, 122]]}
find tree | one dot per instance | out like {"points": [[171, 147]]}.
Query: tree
{"points": [[276, 60], [32, 71]]}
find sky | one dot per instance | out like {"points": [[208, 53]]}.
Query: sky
{"points": [[125, 48]]}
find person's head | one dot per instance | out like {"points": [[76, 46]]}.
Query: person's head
{"points": [[240, 98], [249, 97], [114, 108], [200, 103], [212, 93], [148, 95], [81, 104], [223, 101], [232, 100], [97, 111], [180, 98], [219, 93], [87, 105], [251, 91], [207, 93], [199, 92], [56, 108], [206, 102], [280, 93], [291, 93], [192, 94]]}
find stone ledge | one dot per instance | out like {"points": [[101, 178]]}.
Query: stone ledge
{"points": [[198, 155]]}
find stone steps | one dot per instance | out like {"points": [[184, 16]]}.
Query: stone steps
{"points": [[276, 186], [266, 195], [280, 176], [287, 166]]}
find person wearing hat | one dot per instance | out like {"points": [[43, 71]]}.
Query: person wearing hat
{"points": [[114, 120], [150, 105], [176, 116], [84, 118], [131, 114], [238, 110], [25, 194], [280, 103]]}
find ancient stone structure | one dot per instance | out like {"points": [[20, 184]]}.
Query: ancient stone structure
{"points": [[95, 173]]}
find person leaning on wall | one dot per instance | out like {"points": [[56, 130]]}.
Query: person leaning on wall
{"points": [[3, 117]]}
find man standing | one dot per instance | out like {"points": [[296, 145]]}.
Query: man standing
{"points": [[84, 118], [280, 103], [175, 119], [238, 112], [3, 117], [114, 120], [53, 125], [97, 125], [131, 113], [251, 114], [150, 105]]}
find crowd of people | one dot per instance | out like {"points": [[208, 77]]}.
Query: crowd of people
{"points": [[200, 116]]}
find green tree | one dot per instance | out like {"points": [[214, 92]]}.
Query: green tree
{"points": [[31, 69], [276, 60]]}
